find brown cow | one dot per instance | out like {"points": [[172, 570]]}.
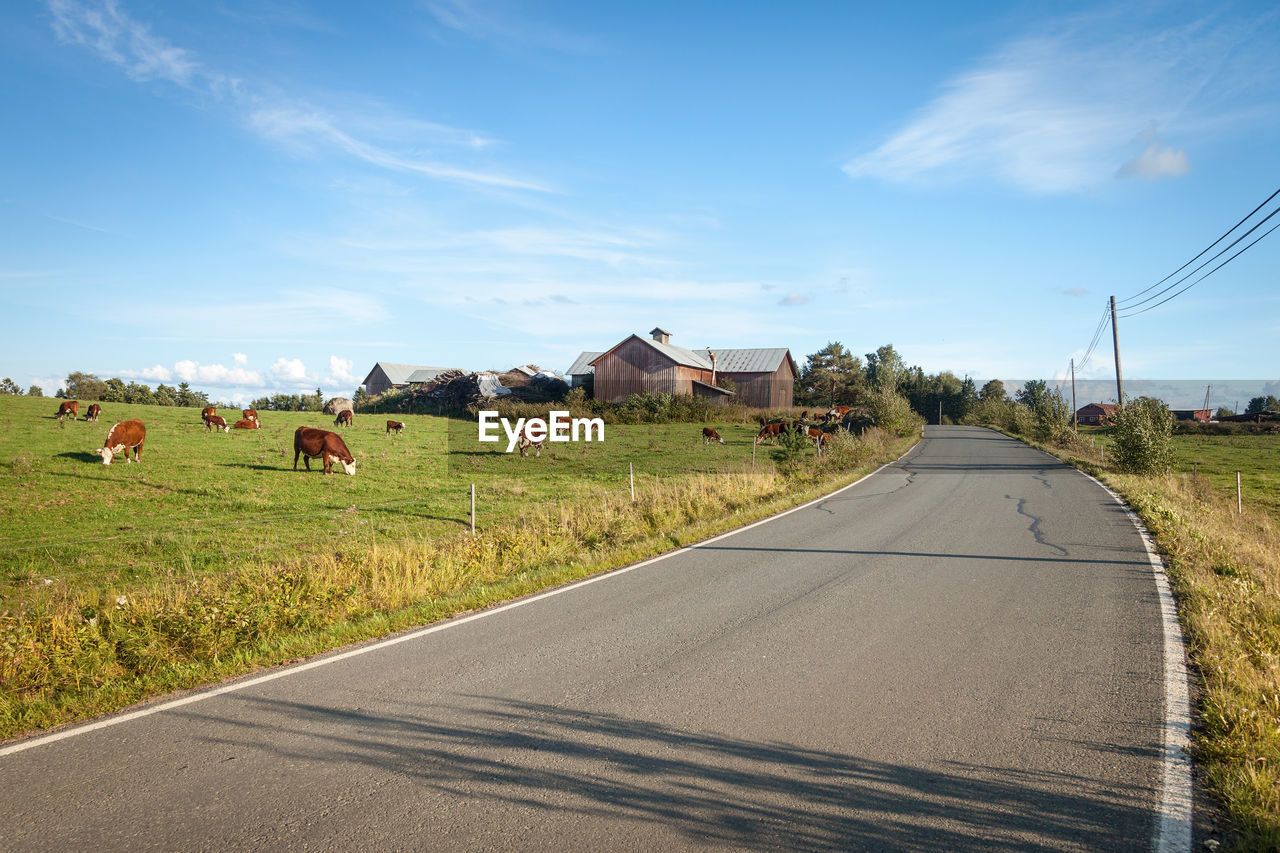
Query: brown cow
{"points": [[709, 435], [70, 407], [343, 418], [249, 414], [92, 414], [820, 438], [121, 437], [772, 430], [395, 426], [311, 443], [525, 444], [216, 422], [208, 412], [245, 424]]}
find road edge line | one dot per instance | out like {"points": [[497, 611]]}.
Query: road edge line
{"points": [[325, 659]]}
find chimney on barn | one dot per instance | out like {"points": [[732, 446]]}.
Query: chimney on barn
{"points": [[662, 336], [713, 365]]}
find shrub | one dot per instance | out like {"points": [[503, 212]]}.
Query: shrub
{"points": [[892, 413], [1142, 435]]}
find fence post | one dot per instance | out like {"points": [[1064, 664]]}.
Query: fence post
{"points": [[473, 509], [1239, 500], [631, 473]]}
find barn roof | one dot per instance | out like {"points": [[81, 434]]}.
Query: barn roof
{"points": [[750, 360], [582, 364], [679, 355], [424, 374]]}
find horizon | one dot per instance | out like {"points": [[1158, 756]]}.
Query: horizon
{"points": [[269, 199]]}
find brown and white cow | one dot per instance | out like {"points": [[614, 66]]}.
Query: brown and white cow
{"points": [[343, 418], [525, 444], [92, 414], [772, 430], [311, 443], [243, 424], [122, 437], [249, 414], [69, 407], [216, 422], [208, 412], [709, 435], [395, 426], [820, 438]]}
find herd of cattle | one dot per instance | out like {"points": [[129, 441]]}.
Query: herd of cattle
{"points": [[311, 443], [308, 442]]}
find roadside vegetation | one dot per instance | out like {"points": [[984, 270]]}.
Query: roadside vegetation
{"points": [[1223, 565], [212, 557]]}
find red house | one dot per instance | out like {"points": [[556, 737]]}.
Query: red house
{"points": [[1095, 414]]}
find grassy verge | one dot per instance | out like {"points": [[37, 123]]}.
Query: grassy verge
{"points": [[78, 643], [1224, 568]]}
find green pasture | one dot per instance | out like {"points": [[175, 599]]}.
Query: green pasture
{"points": [[1219, 457], [204, 501]]}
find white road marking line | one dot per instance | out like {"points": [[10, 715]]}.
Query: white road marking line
{"points": [[107, 722]]}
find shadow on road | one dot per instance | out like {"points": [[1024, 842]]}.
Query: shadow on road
{"points": [[490, 754]]}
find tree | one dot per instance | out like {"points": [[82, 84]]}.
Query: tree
{"points": [[1262, 404], [113, 391], [1034, 394], [993, 390], [189, 398], [84, 386], [885, 367], [1143, 434], [165, 396], [8, 386], [35, 391], [831, 376]]}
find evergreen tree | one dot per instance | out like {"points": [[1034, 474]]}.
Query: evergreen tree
{"points": [[832, 376]]}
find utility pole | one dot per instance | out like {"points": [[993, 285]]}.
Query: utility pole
{"points": [[1115, 342], [1075, 425]]}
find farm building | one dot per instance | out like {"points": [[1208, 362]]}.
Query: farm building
{"points": [[1202, 416], [384, 376], [761, 377], [581, 369], [1095, 414]]}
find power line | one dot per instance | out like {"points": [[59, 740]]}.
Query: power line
{"points": [[1202, 253], [1210, 272], [1097, 335]]}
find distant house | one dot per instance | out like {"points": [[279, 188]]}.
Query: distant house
{"points": [[761, 377], [385, 376], [1095, 414], [1199, 415], [581, 369]]}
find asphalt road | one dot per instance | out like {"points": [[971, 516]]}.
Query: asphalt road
{"points": [[962, 651]]}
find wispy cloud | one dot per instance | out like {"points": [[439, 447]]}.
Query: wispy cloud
{"points": [[1058, 111], [486, 22], [792, 299], [376, 137]]}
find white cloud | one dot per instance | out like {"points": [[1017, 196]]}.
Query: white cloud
{"points": [[240, 359], [1058, 112], [1156, 162], [216, 374], [119, 39], [340, 370], [290, 371]]}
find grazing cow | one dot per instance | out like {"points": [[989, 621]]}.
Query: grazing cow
{"points": [[837, 412], [245, 424], [772, 430], [249, 414], [92, 414], [709, 435], [343, 418], [208, 412], [525, 444], [121, 437], [215, 422], [820, 438], [311, 443], [70, 407], [395, 426]]}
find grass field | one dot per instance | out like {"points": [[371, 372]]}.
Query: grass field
{"points": [[213, 557], [201, 501]]}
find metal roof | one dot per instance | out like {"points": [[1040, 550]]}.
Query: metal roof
{"points": [[749, 360], [399, 373], [724, 391], [582, 364], [425, 374]]}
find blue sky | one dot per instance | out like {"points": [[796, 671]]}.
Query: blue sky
{"points": [[272, 196]]}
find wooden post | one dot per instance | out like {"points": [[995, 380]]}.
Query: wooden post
{"points": [[473, 509], [1239, 499], [631, 472], [753, 454]]}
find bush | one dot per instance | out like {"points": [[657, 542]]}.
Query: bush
{"points": [[892, 413], [1050, 419], [1142, 436]]}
